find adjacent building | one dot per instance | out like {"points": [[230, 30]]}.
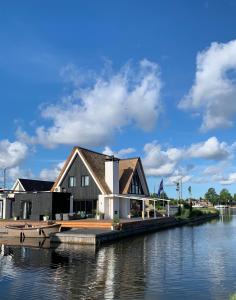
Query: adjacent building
{"points": [[32, 199]]}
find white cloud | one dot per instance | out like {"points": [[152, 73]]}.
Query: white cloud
{"points": [[91, 115], [210, 149], [51, 174], [17, 172], [122, 153], [230, 179], [214, 90], [158, 162], [178, 178], [170, 162], [12, 153]]}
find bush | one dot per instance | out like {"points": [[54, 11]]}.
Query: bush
{"points": [[195, 213]]}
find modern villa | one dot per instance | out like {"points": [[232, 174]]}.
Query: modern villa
{"points": [[104, 183]]}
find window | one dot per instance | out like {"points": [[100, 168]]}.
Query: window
{"points": [[72, 181], [85, 180], [136, 187]]}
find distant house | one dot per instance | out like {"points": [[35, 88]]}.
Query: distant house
{"points": [[32, 199], [104, 183], [5, 206], [30, 185]]}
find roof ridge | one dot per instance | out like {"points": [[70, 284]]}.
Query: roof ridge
{"points": [[35, 179], [106, 155], [136, 157]]}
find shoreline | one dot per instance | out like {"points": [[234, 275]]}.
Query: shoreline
{"points": [[98, 237]]}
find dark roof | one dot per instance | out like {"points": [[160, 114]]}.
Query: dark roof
{"points": [[31, 185]]}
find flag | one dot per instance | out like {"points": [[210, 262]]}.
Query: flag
{"points": [[161, 189]]}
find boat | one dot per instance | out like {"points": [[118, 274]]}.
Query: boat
{"points": [[27, 230], [221, 206]]}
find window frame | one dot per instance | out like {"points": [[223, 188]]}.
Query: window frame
{"points": [[85, 181], [72, 183]]}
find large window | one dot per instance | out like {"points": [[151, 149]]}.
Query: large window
{"points": [[72, 181], [85, 180], [136, 187]]}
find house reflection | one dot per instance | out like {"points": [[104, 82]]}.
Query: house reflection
{"points": [[82, 270]]}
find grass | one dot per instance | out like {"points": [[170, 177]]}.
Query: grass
{"points": [[187, 213]]}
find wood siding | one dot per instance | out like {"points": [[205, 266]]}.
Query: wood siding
{"points": [[78, 169]]}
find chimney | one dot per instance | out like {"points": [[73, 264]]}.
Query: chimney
{"points": [[112, 174]]}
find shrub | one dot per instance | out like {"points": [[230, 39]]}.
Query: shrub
{"points": [[195, 213]]}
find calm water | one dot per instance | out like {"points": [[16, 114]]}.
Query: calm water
{"points": [[183, 263]]}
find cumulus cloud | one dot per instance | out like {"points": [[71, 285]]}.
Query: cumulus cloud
{"points": [[17, 172], [230, 179], [214, 90], [178, 178], [12, 153], [170, 162], [94, 112], [158, 162], [210, 149], [52, 173], [122, 153]]}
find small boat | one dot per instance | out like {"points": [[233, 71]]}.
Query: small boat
{"points": [[221, 206], [27, 230]]}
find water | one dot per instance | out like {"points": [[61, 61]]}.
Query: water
{"points": [[182, 263]]}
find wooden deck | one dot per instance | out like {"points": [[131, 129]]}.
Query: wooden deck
{"points": [[86, 223], [90, 223]]}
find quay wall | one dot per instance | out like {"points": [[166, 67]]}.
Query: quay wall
{"points": [[128, 229]]}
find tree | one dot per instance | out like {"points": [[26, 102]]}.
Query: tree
{"points": [[225, 196], [212, 196], [162, 196], [234, 198]]}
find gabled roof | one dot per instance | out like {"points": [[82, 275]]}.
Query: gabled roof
{"points": [[96, 164], [94, 161], [31, 185], [126, 170]]}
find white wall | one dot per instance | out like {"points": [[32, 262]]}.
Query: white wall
{"points": [[112, 175]]}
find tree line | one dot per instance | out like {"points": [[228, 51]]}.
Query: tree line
{"points": [[224, 197]]}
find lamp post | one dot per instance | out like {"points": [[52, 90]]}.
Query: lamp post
{"points": [[4, 178]]}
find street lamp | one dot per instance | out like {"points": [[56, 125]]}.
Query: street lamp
{"points": [[4, 178]]}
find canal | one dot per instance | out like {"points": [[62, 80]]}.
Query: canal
{"points": [[182, 263]]}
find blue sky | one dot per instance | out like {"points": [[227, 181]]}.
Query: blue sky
{"points": [[154, 79]]}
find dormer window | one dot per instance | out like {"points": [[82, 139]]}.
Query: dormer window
{"points": [[136, 187], [72, 181], [84, 180]]}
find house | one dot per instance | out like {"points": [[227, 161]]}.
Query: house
{"points": [[30, 185], [104, 183], [32, 199], [5, 205]]}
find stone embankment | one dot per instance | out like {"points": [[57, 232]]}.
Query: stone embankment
{"points": [[127, 229]]}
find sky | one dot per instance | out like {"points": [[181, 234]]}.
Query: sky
{"points": [[155, 79]]}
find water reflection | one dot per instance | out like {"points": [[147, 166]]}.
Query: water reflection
{"points": [[192, 262]]}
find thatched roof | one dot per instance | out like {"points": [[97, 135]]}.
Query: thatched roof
{"points": [[96, 164]]}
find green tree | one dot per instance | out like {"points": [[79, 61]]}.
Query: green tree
{"points": [[162, 196], [212, 196], [225, 197], [234, 198]]}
